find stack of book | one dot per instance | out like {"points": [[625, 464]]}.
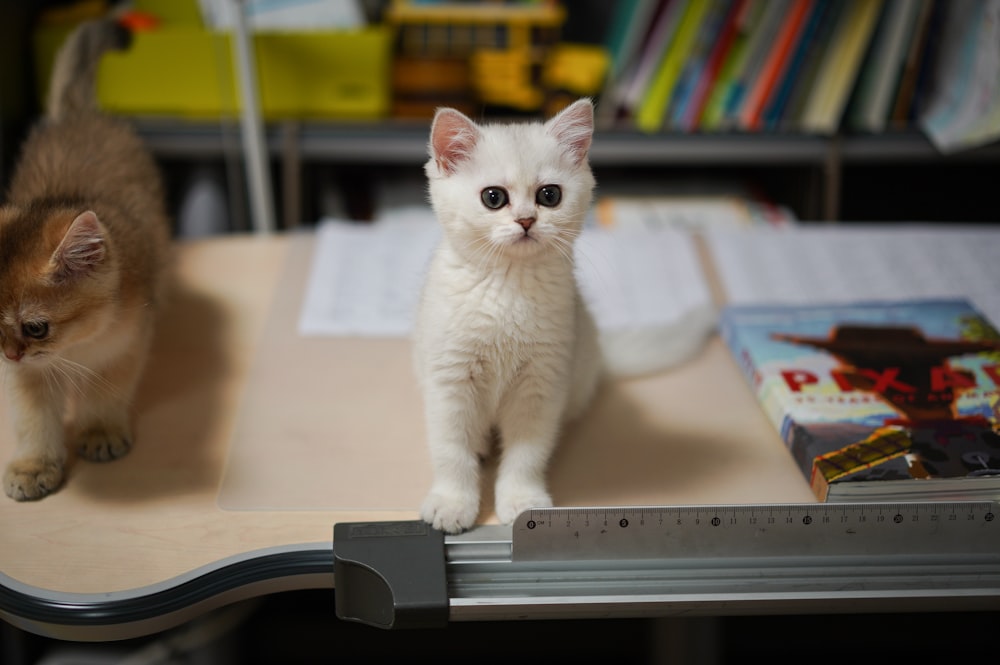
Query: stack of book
{"points": [[808, 66], [878, 400]]}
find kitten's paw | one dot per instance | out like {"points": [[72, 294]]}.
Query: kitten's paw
{"points": [[451, 513], [32, 478], [511, 504], [98, 445]]}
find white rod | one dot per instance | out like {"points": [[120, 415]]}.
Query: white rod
{"points": [[251, 126]]}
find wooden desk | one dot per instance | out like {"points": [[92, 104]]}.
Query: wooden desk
{"points": [[133, 528]]}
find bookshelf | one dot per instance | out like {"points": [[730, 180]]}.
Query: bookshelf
{"points": [[815, 173], [822, 162], [824, 155], [406, 144]]}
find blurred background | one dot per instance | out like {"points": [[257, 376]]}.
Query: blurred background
{"points": [[813, 110]]}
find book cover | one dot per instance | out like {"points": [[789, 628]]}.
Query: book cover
{"points": [[840, 67], [881, 400]]}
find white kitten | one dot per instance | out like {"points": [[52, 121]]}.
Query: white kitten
{"points": [[503, 343]]}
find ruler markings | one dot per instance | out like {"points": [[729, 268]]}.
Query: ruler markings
{"points": [[636, 532]]}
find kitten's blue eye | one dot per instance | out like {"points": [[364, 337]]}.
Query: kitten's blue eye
{"points": [[494, 197], [549, 196], [35, 329]]}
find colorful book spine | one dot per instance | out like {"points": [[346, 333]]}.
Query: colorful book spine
{"points": [[729, 28], [905, 94], [777, 62], [880, 76], [776, 107], [694, 64], [746, 22], [654, 103], [761, 40], [840, 67], [656, 44]]}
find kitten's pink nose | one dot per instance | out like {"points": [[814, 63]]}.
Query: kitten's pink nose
{"points": [[14, 354], [526, 222]]}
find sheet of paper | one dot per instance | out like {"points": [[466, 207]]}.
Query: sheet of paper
{"points": [[845, 263], [366, 278]]}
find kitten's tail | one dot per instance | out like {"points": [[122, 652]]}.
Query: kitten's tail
{"points": [[637, 352], [72, 87]]}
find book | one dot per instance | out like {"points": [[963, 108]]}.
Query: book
{"points": [[798, 95], [658, 39], [761, 38], [630, 24], [775, 64], [840, 66], [963, 110], [692, 211], [775, 110], [693, 72], [649, 117], [713, 66], [927, 69], [746, 22], [872, 104], [892, 400], [900, 116]]}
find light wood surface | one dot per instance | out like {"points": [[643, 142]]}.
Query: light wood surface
{"points": [[234, 401]]}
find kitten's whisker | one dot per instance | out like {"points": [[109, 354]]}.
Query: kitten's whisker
{"points": [[490, 254], [53, 386], [583, 255], [59, 381], [564, 247], [479, 251], [80, 376]]}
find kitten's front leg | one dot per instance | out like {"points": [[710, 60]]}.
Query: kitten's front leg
{"points": [[104, 428], [457, 436], [529, 427], [104, 433], [36, 469]]}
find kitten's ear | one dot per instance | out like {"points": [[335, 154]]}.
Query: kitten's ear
{"points": [[573, 127], [453, 137], [82, 248]]}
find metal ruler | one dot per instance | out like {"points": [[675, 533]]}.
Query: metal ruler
{"points": [[670, 560], [801, 530]]}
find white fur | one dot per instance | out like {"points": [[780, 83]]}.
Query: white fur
{"points": [[503, 343], [636, 352]]}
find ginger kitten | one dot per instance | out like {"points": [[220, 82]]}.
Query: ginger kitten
{"points": [[84, 255], [504, 345]]}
